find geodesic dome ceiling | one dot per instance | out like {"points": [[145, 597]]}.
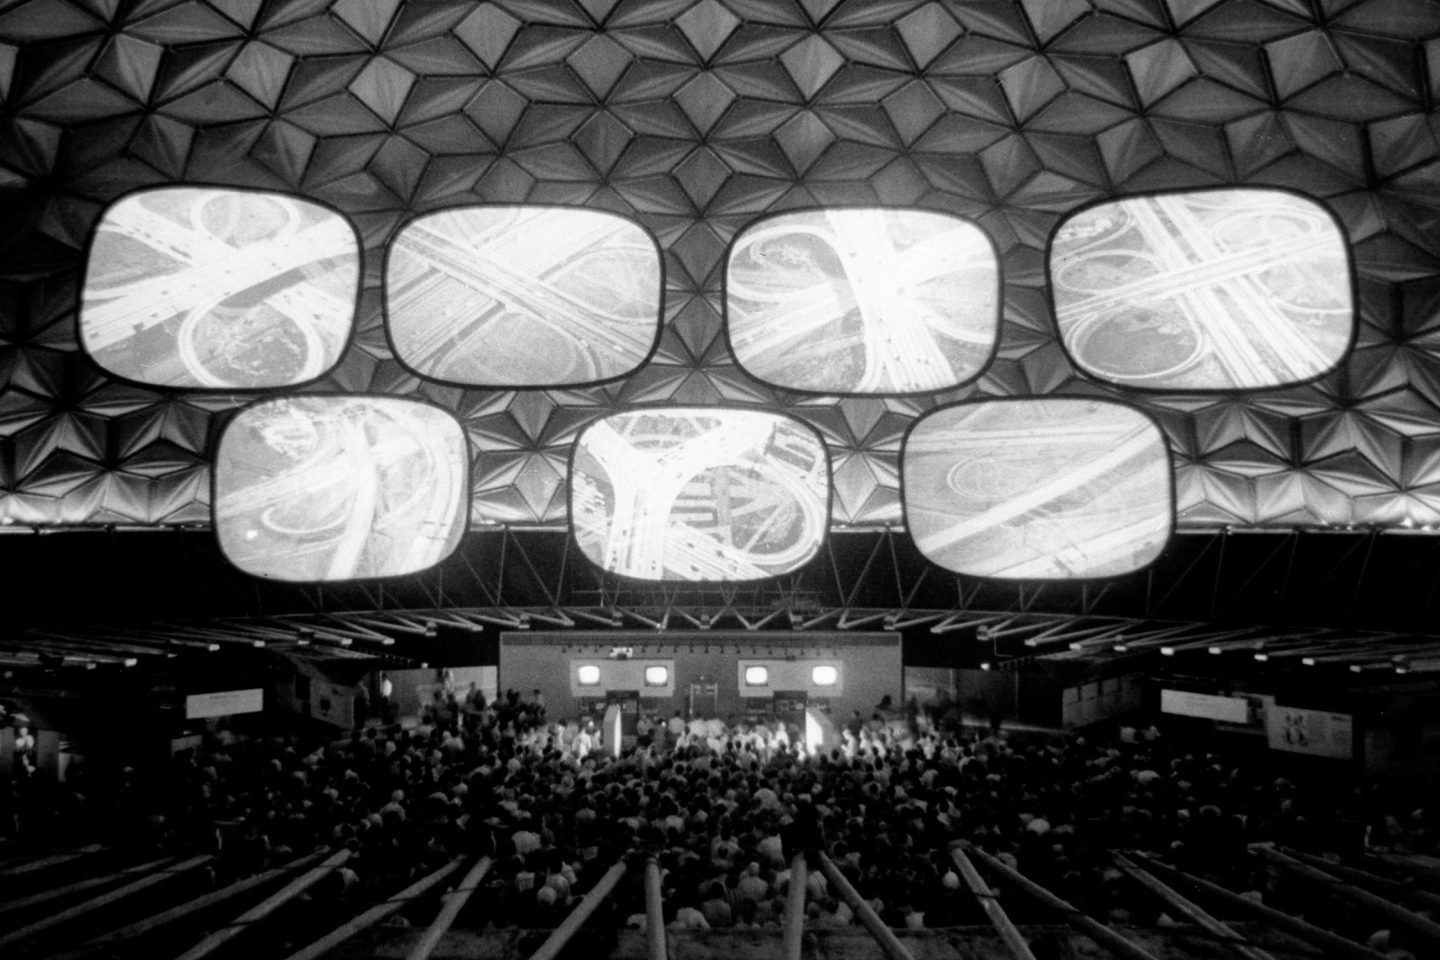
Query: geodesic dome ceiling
{"points": [[695, 119]]}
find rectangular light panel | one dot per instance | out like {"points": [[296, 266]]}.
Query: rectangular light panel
{"points": [[205, 288], [1056, 488], [863, 300], [523, 296], [1209, 290], [320, 488], [699, 494]]}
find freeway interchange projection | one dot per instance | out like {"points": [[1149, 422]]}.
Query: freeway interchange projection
{"points": [[319, 488], [863, 300], [1211, 290], [523, 296], [699, 494], [1060, 488], [223, 289]]}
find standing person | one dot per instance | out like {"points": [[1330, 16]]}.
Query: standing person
{"points": [[387, 706], [677, 728], [585, 740], [24, 752], [362, 705]]}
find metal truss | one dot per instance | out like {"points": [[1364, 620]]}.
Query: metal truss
{"points": [[1278, 598]]}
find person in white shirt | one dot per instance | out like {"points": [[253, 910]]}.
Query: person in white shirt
{"points": [[584, 742], [688, 918]]}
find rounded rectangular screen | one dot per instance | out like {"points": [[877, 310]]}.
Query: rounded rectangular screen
{"points": [[1055, 488], [824, 676], [699, 494], [756, 676], [1209, 290], [657, 676], [207, 288], [319, 488], [523, 296], [587, 675], [863, 300]]}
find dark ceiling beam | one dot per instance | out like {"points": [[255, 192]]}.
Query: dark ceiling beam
{"points": [[157, 639], [1323, 640], [1209, 642], [1145, 639], [1369, 652], [104, 646], [1067, 634], [212, 633]]}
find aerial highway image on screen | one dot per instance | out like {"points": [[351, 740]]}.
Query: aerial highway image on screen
{"points": [[1209, 290], [1046, 489], [195, 287], [695, 494], [862, 300], [523, 296], [324, 488]]}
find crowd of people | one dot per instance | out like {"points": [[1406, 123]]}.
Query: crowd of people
{"points": [[725, 806]]}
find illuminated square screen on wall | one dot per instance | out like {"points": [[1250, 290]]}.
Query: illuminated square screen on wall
{"points": [[523, 296], [756, 676], [1043, 489], [197, 287], [863, 300], [699, 494], [319, 488], [657, 676], [1210, 290]]}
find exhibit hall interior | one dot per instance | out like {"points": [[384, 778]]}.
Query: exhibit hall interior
{"points": [[699, 478]]}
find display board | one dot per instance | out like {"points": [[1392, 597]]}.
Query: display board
{"points": [[600, 676], [224, 703], [1208, 290], [1054, 488], [795, 674], [1316, 732], [199, 287], [518, 296], [863, 300], [318, 488], [1102, 699], [1204, 705], [713, 494]]}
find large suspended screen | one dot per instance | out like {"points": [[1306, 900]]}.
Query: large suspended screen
{"points": [[1047, 488], [335, 488], [523, 296], [196, 287], [863, 301], [1213, 290], [699, 494]]}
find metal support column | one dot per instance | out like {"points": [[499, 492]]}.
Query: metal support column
{"points": [[1332, 944], [1421, 927], [455, 901], [1185, 908], [793, 930], [889, 943], [1087, 925], [375, 914], [556, 942], [654, 910], [1016, 944]]}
